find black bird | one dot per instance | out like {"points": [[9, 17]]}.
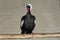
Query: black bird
{"points": [[28, 21]]}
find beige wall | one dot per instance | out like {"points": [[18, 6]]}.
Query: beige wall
{"points": [[46, 12]]}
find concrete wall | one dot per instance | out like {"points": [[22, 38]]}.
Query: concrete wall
{"points": [[46, 12]]}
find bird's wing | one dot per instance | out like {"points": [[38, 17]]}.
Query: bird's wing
{"points": [[21, 23]]}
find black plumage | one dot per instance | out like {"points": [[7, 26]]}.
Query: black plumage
{"points": [[27, 22]]}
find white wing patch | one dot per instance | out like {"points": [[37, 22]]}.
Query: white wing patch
{"points": [[35, 21], [21, 23]]}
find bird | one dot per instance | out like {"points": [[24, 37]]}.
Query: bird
{"points": [[28, 21]]}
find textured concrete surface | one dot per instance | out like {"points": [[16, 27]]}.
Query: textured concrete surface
{"points": [[47, 14]]}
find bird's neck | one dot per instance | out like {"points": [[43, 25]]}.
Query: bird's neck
{"points": [[28, 11]]}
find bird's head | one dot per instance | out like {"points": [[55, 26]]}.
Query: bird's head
{"points": [[28, 6]]}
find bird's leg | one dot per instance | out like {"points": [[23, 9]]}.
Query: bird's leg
{"points": [[29, 32]]}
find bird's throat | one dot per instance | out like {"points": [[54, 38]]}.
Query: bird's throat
{"points": [[28, 10]]}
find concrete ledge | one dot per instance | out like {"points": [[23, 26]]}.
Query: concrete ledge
{"points": [[34, 35]]}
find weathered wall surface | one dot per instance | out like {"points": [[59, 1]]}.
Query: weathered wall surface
{"points": [[46, 12]]}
